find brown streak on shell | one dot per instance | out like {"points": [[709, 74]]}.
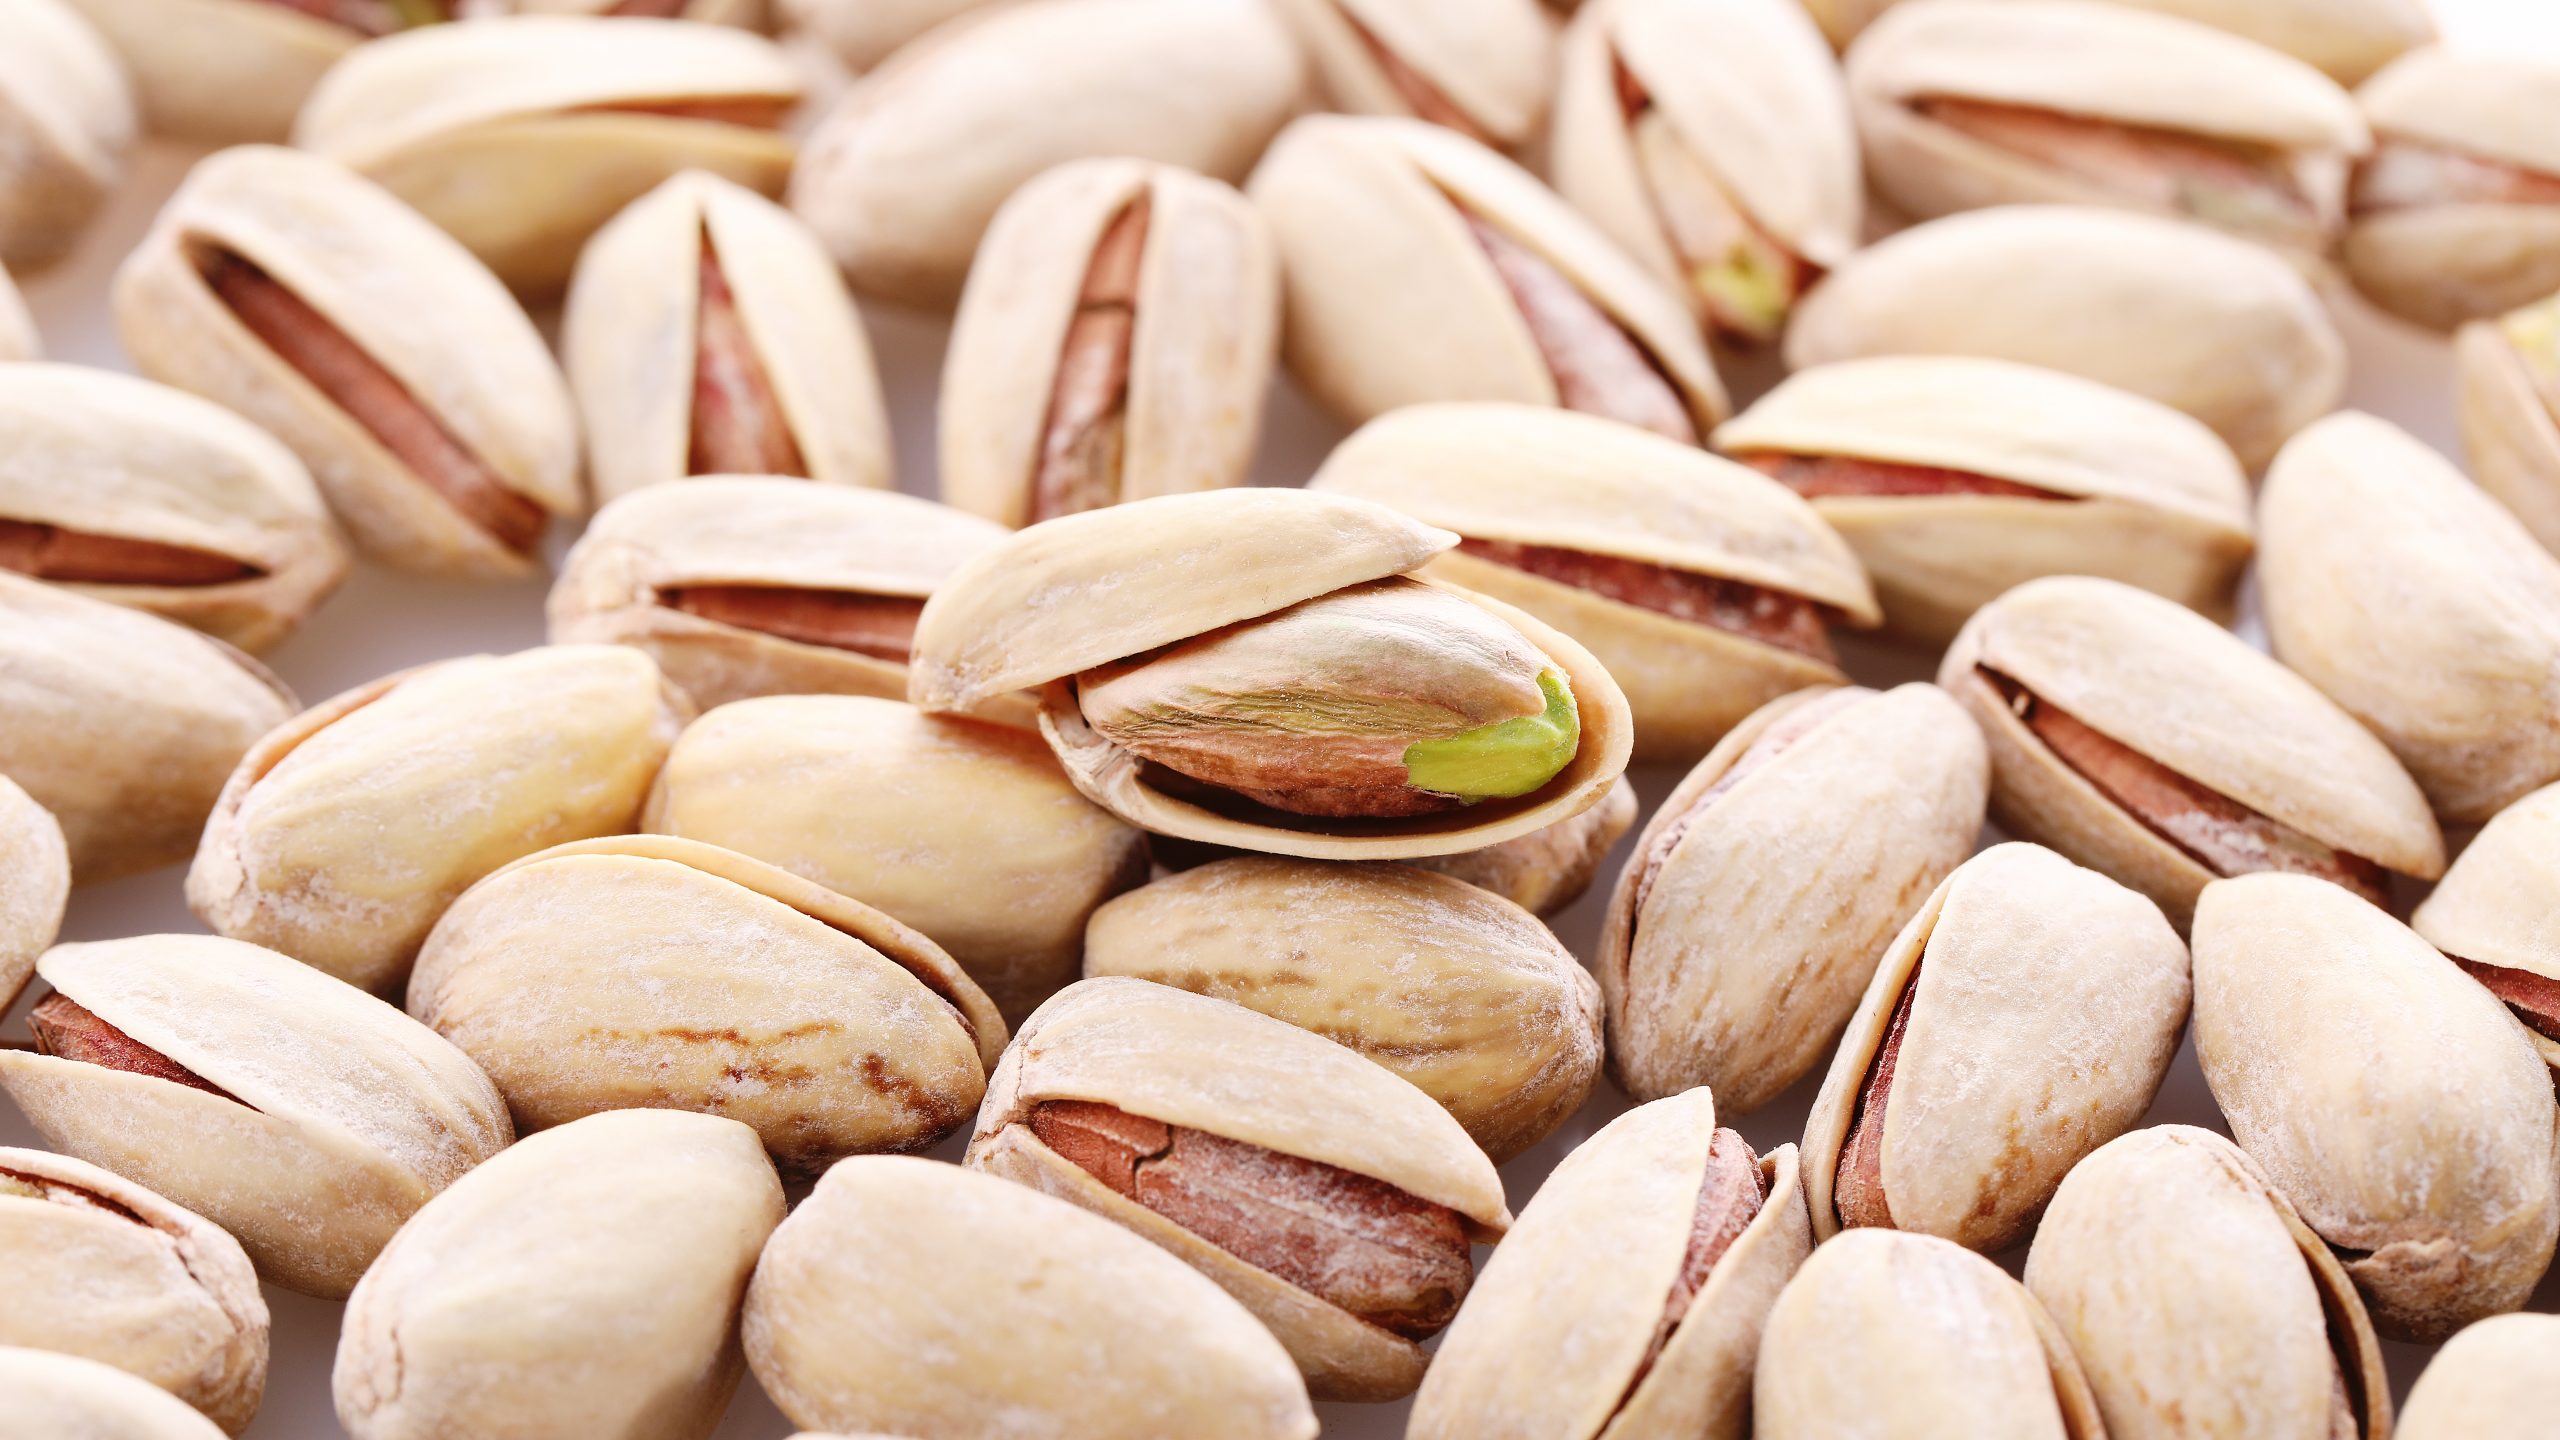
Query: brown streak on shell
{"points": [[2535, 999]]}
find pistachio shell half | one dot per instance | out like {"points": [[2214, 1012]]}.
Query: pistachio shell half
{"points": [[2493, 1381], [35, 886], [2509, 403], [1547, 869], [66, 116], [17, 328], [2457, 211], [2497, 914], [1480, 67], [2347, 39], [53, 1396]]}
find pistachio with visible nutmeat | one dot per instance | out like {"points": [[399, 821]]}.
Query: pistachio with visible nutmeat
{"points": [[66, 116], [2346, 39], [2493, 1381], [35, 887], [17, 328], [862, 33], [53, 1396], [2494, 914], [2508, 373], [1479, 67]]}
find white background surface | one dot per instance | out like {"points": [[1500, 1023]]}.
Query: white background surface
{"points": [[382, 622]]}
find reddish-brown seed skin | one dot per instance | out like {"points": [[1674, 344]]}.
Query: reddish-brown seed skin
{"points": [[1081, 447], [1599, 368], [2134, 160], [1823, 477], [738, 424], [2403, 174], [1424, 99], [1730, 1195], [1771, 617], [73, 557], [2534, 998], [67, 1031], [1857, 1188], [748, 112], [880, 626]]}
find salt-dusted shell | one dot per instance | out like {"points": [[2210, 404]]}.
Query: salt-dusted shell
{"points": [[52, 1397], [1488, 63], [35, 886], [2509, 404], [2347, 39], [2494, 1381], [2500, 902], [17, 328], [2445, 263], [66, 116]]}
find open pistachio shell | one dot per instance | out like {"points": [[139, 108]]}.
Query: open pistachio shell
{"points": [[2471, 134], [2499, 907], [862, 33], [1568, 1335], [66, 116], [220, 72], [35, 886], [2217, 327], [17, 328], [2509, 402], [56, 1396], [1480, 67], [1547, 869], [2493, 1381], [2347, 39]]}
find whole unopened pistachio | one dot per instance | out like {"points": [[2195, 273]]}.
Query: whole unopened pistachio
{"points": [[1114, 342], [2397, 1103], [35, 886], [52, 1397], [228, 72], [2347, 39], [707, 333], [300, 1114], [2152, 745], [862, 33], [1762, 894], [1956, 478], [344, 833], [1627, 1302], [2497, 914], [2222, 329], [1705, 590], [583, 1285], [1480, 67], [103, 1268], [1548, 869], [17, 328], [2494, 1381], [2457, 212], [290, 289], [1334, 1199], [2509, 398], [66, 116], [2236, 1323]]}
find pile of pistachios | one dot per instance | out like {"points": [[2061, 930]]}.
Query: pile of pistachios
{"points": [[1065, 958]]}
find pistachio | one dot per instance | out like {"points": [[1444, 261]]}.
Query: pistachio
{"points": [[1547, 869], [2509, 398], [2493, 1381], [2144, 741], [2346, 39], [303, 1116], [1422, 266], [862, 33], [35, 886], [228, 72], [54, 1395], [2492, 915], [1699, 1236], [17, 328], [1114, 342], [1479, 67], [584, 1283], [1762, 894], [2237, 1324], [2214, 326], [1711, 139], [2422, 1151], [345, 832], [66, 116], [101, 1267]]}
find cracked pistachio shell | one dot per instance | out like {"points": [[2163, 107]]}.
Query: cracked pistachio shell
{"points": [[1204, 329], [2217, 327], [2392, 1098], [862, 33], [904, 175], [1553, 1342], [17, 328], [1487, 65], [398, 289], [1548, 869], [1528, 475], [631, 334], [920, 1298], [160, 466], [1084, 590], [2235, 1324], [2132, 489], [2046, 1003], [522, 136], [66, 117], [341, 1116], [1904, 1337], [646, 971], [2346, 39], [64, 1397], [345, 832], [219, 72], [2494, 1381], [1203, 1064], [583, 1283], [924, 816], [2418, 604], [1453, 988], [102, 1268], [1391, 301], [2500, 902], [122, 724], [2192, 697], [35, 886], [1749, 918], [2509, 405], [2446, 263]]}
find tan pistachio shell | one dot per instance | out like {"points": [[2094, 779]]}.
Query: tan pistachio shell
{"points": [[414, 301], [2392, 1098], [2508, 400], [66, 117], [345, 832], [1490, 61], [2441, 265], [586, 1282], [17, 328], [35, 887], [2499, 904], [2346, 39], [64, 1397], [862, 33], [1735, 956], [2494, 1381], [2217, 327], [348, 1113], [1205, 1064], [1549, 1344], [2046, 1004], [219, 72], [1547, 869], [2237, 1324]]}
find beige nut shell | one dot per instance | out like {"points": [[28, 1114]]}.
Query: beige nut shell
{"points": [[862, 33], [1547, 869], [35, 886], [64, 1397], [2508, 402], [2493, 1381], [2499, 904], [2441, 265], [66, 117], [2346, 39], [1492, 61], [219, 72]]}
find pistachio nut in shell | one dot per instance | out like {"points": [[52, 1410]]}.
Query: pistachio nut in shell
{"points": [[2024, 1017], [344, 833], [748, 585], [17, 328], [35, 886], [1956, 478], [862, 33], [1705, 590], [2421, 1148], [101, 1267], [1017, 89], [2508, 401], [1114, 342], [66, 117], [2347, 39], [232, 72], [2220, 328], [1480, 67], [707, 333], [1763, 892], [2457, 211], [1264, 647], [122, 724], [1711, 139], [1456, 989], [1627, 1302], [1546, 870], [2236, 1324], [64, 1397], [915, 1297], [2493, 1381], [642, 971], [1332, 1198], [584, 1283], [2497, 914], [2155, 747], [292, 290], [305, 1117], [922, 816]]}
